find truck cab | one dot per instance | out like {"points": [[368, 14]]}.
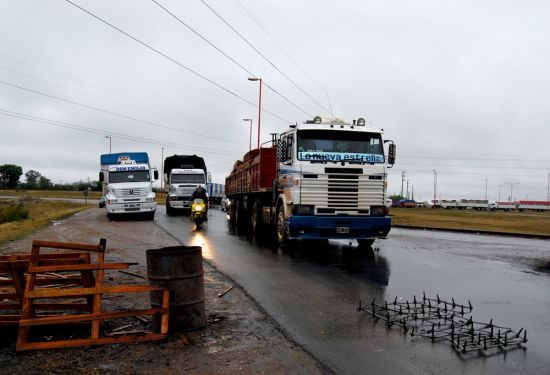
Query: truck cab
{"points": [[181, 184], [332, 181], [127, 184]]}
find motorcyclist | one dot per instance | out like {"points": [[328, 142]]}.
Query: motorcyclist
{"points": [[200, 193]]}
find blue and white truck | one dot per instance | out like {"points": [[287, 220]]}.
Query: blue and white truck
{"points": [[323, 179], [127, 184]]}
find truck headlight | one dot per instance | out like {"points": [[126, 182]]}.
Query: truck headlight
{"points": [[378, 210], [303, 209]]}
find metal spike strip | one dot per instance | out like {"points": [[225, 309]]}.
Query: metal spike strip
{"points": [[440, 320]]}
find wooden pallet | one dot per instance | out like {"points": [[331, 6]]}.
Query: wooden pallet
{"points": [[93, 291], [13, 269]]}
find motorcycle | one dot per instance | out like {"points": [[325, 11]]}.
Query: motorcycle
{"points": [[198, 212]]}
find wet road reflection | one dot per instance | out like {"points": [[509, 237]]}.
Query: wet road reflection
{"points": [[313, 291]]}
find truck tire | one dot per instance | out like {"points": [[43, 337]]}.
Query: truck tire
{"points": [[256, 220], [240, 220], [150, 215], [365, 243], [169, 210], [281, 231], [231, 216]]}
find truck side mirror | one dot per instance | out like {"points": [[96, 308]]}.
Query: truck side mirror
{"points": [[156, 174], [101, 177], [391, 153]]}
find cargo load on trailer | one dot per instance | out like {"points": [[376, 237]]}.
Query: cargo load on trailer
{"points": [[127, 184], [323, 179]]}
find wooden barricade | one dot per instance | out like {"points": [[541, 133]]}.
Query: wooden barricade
{"points": [[92, 289], [13, 269]]}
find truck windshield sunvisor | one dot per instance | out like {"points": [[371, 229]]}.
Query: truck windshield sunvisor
{"points": [[129, 176], [187, 179], [330, 145]]}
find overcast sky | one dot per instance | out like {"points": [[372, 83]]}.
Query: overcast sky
{"points": [[462, 87]]}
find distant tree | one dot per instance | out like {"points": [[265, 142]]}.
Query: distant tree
{"points": [[33, 177], [44, 183], [9, 175]]}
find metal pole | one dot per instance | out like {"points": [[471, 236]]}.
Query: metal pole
{"points": [[402, 180], [259, 112], [250, 133], [548, 194], [162, 170], [485, 189], [108, 136], [435, 186]]}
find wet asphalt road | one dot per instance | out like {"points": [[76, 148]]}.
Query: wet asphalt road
{"points": [[313, 293]]}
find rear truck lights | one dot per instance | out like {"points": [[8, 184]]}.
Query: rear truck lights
{"points": [[378, 210]]}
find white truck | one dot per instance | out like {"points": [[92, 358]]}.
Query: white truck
{"points": [[323, 179], [127, 184], [182, 175]]}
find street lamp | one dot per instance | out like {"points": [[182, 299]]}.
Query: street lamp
{"points": [[108, 136], [250, 133], [254, 79]]}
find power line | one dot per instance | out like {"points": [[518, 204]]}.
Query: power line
{"points": [[173, 60], [258, 23], [263, 56], [114, 113], [125, 98], [86, 129], [229, 57]]}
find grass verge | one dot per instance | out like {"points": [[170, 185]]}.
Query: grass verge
{"points": [[531, 223], [49, 194], [41, 214]]}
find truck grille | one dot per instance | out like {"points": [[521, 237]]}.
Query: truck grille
{"points": [[342, 193], [185, 191], [131, 192]]}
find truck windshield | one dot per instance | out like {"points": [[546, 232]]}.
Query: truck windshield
{"points": [[187, 179], [128, 176], [331, 145]]}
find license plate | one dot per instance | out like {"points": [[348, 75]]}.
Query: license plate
{"points": [[342, 230]]}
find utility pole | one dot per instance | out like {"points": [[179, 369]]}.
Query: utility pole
{"points": [[412, 192], [511, 189], [407, 189], [162, 171], [435, 187], [402, 179], [499, 186], [485, 189]]}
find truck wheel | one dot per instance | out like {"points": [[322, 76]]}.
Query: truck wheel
{"points": [[169, 210], [281, 231], [240, 221], [365, 243], [256, 219], [150, 215], [231, 215]]}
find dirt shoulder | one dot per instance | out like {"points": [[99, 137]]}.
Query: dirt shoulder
{"points": [[239, 336]]}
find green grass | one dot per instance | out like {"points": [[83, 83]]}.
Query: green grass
{"points": [[49, 194], [537, 223], [40, 215]]}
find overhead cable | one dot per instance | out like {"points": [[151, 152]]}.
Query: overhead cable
{"points": [[259, 24], [105, 132], [115, 113], [229, 57], [263, 56], [174, 60]]}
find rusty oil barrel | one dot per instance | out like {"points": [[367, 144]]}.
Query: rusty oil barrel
{"points": [[179, 268]]}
